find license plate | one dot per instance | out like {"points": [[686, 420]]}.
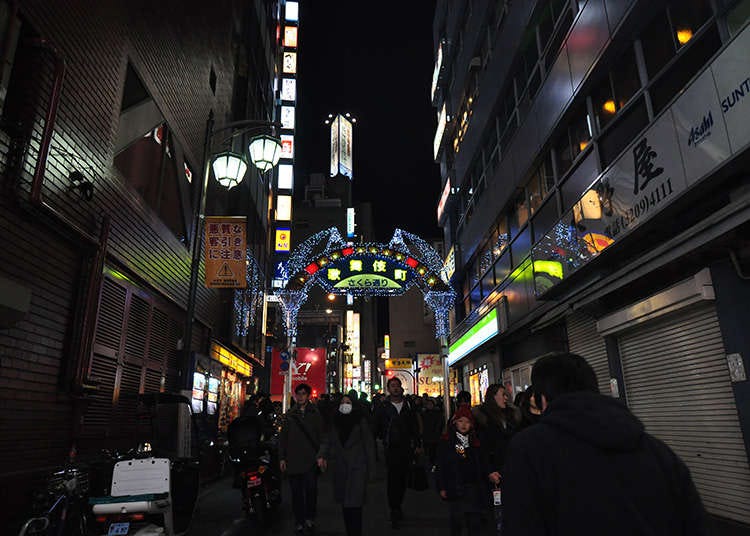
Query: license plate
{"points": [[119, 529]]}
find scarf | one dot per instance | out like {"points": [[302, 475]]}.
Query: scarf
{"points": [[462, 444], [345, 424]]}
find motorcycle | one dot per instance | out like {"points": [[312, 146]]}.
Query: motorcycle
{"points": [[254, 454], [153, 488]]}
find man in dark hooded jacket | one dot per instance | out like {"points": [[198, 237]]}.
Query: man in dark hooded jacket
{"points": [[589, 468]]}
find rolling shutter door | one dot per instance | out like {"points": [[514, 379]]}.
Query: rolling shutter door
{"points": [[678, 384], [584, 340]]}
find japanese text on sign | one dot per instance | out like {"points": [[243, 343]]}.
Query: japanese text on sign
{"points": [[226, 248]]}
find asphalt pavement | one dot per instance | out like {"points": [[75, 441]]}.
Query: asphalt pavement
{"points": [[219, 512]]}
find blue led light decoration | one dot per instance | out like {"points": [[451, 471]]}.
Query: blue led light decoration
{"points": [[441, 303], [291, 301], [312, 248], [372, 269], [248, 300]]}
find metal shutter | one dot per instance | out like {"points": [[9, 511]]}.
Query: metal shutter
{"points": [[677, 383], [584, 340]]}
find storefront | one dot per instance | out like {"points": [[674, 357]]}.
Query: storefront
{"points": [[584, 340], [219, 385], [474, 355]]}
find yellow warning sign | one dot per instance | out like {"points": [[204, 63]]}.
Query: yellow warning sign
{"points": [[226, 252]]}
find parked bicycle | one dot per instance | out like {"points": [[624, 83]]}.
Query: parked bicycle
{"points": [[63, 505]]}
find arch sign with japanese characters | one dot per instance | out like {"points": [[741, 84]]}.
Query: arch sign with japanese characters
{"points": [[367, 270]]}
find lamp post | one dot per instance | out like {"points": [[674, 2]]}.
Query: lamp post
{"points": [[229, 169]]}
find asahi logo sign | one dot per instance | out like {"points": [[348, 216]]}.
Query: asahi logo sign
{"points": [[700, 132]]}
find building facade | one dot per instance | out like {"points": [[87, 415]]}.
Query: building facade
{"points": [[594, 176], [104, 114]]}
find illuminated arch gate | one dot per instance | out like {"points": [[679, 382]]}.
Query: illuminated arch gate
{"points": [[368, 269]]}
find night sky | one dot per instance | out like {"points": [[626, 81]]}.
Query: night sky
{"points": [[373, 60]]}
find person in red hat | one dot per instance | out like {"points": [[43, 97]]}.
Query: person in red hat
{"points": [[461, 474]]}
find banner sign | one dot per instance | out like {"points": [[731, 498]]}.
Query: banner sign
{"points": [[431, 374], [341, 147], [283, 240], [309, 368], [699, 132], [225, 256]]}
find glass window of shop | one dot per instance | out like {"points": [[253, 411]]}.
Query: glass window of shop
{"points": [[539, 186], [687, 16], [658, 47], [521, 246], [501, 236]]}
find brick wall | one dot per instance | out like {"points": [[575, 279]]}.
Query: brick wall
{"points": [[173, 45]]}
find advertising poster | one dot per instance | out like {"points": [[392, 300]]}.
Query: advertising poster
{"points": [[430, 374], [334, 168], [310, 368], [226, 246]]}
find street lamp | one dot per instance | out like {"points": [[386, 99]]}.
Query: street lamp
{"points": [[229, 169]]}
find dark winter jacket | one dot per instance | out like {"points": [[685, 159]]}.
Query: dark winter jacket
{"points": [[399, 431], [353, 460], [494, 435], [463, 477], [589, 468], [432, 426], [301, 453]]}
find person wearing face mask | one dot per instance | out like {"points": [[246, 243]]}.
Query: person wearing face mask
{"points": [[352, 455]]}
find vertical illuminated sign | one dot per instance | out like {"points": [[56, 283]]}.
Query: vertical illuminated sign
{"points": [[290, 63], [443, 200], [341, 147], [387, 345], [335, 147], [286, 177], [290, 36], [442, 119], [350, 222], [292, 11], [283, 207], [287, 146], [288, 89], [436, 71], [283, 240], [287, 117], [346, 164]]}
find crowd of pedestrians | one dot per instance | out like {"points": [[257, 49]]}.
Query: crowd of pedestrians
{"points": [[558, 458]]}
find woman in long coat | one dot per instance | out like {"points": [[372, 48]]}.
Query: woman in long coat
{"points": [[352, 455]]}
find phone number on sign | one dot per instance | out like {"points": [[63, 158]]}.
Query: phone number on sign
{"points": [[640, 208]]}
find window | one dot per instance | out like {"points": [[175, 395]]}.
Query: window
{"points": [[545, 218], [658, 47], [616, 89], [690, 61], [538, 187], [573, 140], [687, 17], [612, 143], [501, 237], [520, 212], [150, 167]]}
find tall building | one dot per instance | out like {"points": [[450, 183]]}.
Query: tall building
{"points": [[104, 114], [594, 176]]}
